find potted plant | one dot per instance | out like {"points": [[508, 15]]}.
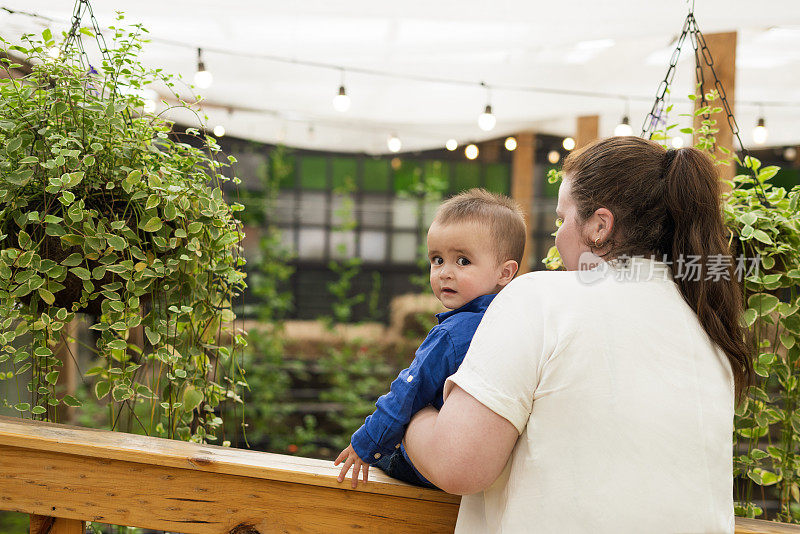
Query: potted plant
{"points": [[105, 211]]}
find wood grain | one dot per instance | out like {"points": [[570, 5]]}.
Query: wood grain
{"points": [[200, 502]]}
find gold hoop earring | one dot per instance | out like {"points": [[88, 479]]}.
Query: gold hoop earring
{"points": [[597, 243]]}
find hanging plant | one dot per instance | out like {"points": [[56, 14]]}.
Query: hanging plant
{"points": [[105, 212]]}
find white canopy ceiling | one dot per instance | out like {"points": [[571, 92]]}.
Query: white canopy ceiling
{"points": [[614, 47]]}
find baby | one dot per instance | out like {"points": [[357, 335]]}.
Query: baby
{"points": [[475, 246]]}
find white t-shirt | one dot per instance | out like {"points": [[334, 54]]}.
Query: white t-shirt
{"points": [[623, 404]]}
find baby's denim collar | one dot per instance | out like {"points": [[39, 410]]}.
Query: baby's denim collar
{"points": [[478, 304]]}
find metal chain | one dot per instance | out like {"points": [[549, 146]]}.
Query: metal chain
{"points": [[651, 120], [701, 52]]}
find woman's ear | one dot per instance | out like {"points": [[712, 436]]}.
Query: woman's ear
{"points": [[601, 224], [507, 271]]}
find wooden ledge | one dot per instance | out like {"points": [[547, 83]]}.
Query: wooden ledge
{"points": [[94, 443], [85, 474]]}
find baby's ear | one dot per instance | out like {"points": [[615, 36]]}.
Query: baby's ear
{"points": [[507, 271]]}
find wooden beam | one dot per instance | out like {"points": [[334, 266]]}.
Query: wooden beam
{"points": [[124, 479], [723, 50], [522, 165], [55, 525], [588, 130], [68, 475]]}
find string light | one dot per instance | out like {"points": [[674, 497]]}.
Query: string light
{"points": [[760, 132], [341, 102], [219, 130], [451, 144], [624, 127], [677, 142], [394, 143], [511, 144], [487, 120], [553, 156], [790, 153], [53, 52], [568, 143], [471, 151], [202, 78]]}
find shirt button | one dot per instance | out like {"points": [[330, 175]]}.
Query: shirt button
{"points": [[410, 378], [377, 455]]}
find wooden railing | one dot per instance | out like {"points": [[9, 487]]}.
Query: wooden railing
{"points": [[64, 476]]}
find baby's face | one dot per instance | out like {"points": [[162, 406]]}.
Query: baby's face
{"points": [[463, 263]]}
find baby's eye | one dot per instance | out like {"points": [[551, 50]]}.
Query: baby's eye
{"points": [[559, 222], [437, 260], [462, 261]]}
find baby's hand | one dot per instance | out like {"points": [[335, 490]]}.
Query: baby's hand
{"points": [[350, 458]]}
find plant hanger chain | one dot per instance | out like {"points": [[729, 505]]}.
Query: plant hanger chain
{"points": [[701, 50]]}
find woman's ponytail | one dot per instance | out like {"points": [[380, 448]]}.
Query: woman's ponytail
{"points": [[696, 233]]}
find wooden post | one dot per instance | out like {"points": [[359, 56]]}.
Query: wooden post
{"points": [[723, 49], [522, 163], [67, 352], [41, 524], [588, 128]]}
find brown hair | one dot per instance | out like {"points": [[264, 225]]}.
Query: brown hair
{"points": [[502, 215], [667, 204]]}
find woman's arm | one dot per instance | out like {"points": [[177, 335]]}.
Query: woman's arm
{"points": [[464, 447]]}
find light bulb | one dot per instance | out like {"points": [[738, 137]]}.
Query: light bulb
{"points": [[53, 52], [623, 128], [790, 154], [760, 132], [451, 144], [219, 130], [203, 78], [677, 142], [511, 143], [394, 143], [487, 120], [471, 151], [553, 156], [149, 105], [341, 102], [568, 143]]}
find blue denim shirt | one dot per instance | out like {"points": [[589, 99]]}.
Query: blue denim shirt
{"points": [[422, 383]]}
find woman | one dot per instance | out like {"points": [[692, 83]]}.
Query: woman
{"points": [[603, 403]]}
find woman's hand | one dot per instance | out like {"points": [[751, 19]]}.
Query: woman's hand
{"points": [[350, 458]]}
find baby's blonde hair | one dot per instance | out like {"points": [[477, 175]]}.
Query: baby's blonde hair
{"points": [[500, 214]]}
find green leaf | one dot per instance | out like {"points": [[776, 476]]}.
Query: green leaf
{"points": [[101, 389], [46, 296], [192, 398], [69, 400], [152, 336], [72, 260], [152, 202], [118, 344], [169, 211], [749, 218], [763, 303], [152, 225], [38, 410], [52, 377], [788, 341], [762, 236], [22, 407], [121, 393], [81, 273], [750, 317], [117, 242]]}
